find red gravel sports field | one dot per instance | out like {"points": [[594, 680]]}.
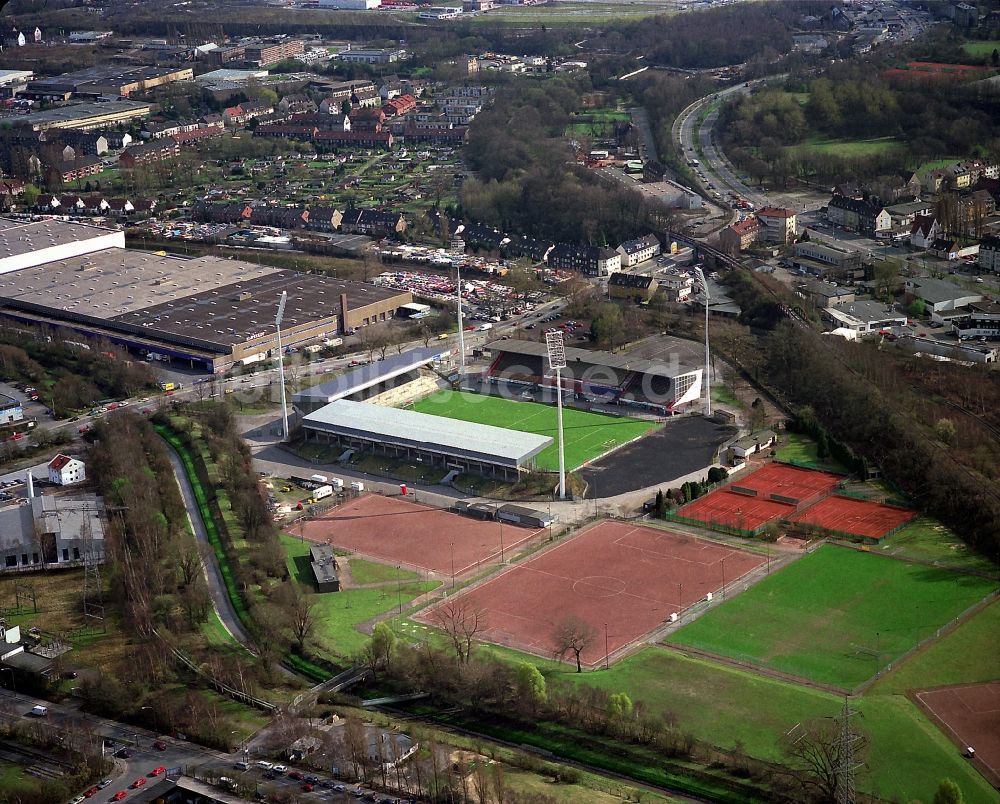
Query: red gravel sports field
{"points": [[788, 481], [734, 510], [857, 517], [629, 578], [970, 715], [397, 531]]}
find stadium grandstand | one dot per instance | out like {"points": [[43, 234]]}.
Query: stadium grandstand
{"points": [[376, 379], [598, 377]]}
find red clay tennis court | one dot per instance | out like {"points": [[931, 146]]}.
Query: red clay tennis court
{"points": [[857, 517], [724, 507], [398, 531], [788, 481], [627, 577], [970, 715]]}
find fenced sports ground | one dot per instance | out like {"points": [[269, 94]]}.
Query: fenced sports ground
{"points": [[588, 435], [778, 492], [837, 616], [401, 532], [970, 715], [626, 578]]}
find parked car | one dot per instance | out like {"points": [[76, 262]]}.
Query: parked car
{"points": [[141, 781], [159, 745], [119, 795]]}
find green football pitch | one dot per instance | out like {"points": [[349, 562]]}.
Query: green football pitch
{"points": [[588, 435], [835, 616]]}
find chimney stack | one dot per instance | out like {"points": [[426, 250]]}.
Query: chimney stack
{"points": [[343, 313]]}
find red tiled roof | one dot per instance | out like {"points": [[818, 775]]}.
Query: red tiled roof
{"points": [[59, 462], [776, 212]]}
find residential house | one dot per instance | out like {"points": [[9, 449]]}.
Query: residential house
{"points": [[294, 104], [983, 321], [279, 217], [676, 286], [65, 470], [752, 444], [90, 143], [390, 88], [399, 106], [859, 216], [777, 224], [639, 250], [989, 254], [147, 153], [117, 140], [287, 131], [824, 294], [741, 235], [593, 260], [636, 287], [924, 230], [357, 139], [819, 258], [372, 222], [903, 215], [363, 119], [325, 219]]}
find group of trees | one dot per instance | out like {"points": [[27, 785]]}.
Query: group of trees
{"points": [[856, 102], [67, 376], [481, 688], [527, 180], [877, 404]]}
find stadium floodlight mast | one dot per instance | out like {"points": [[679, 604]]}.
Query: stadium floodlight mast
{"points": [[281, 365], [557, 362], [708, 361], [461, 325]]}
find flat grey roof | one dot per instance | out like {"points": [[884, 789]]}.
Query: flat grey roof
{"points": [[367, 376], [938, 290], [24, 237], [209, 300], [595, 358], [865, 310], [79, 111], [481, 442]]}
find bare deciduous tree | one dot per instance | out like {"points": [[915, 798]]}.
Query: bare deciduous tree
{"points": [[461, 622], [573, 635], [814, 749]]}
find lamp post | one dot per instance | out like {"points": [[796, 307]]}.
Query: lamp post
{"points": [[453, 565], [501, 541], [461, 327], [607, 652], [680, 598], [281, 365], [723, 579]]}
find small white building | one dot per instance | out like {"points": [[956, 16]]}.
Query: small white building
{"points": [[65, 470], [753, 444]]}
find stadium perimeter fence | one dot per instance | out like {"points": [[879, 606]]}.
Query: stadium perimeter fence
{"points": [[716, 526]]}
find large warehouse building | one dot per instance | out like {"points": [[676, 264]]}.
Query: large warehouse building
{"points": [[600, 377], [434, 440], [213, 313]]}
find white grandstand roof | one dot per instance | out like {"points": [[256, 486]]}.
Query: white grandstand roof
{"points": [[481, 442]]}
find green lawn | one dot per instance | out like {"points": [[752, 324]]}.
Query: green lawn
{"points": [[588, 435], [983, 48], [925, 539], [835, 616], [338, 614], [364, 572], [14, 780], [848, 149], [936, 164], [723, 705], [801, 449]]}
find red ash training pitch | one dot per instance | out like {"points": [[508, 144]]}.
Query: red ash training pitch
{"points": [[631, 578], [970, 715], [398, 531]]}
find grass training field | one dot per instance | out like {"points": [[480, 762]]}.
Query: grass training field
{"points": [[588, 435], [801, 449], [723, 705], [338, 614], [847, 149], [835, 616], [924, 539], [983, 48]]}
